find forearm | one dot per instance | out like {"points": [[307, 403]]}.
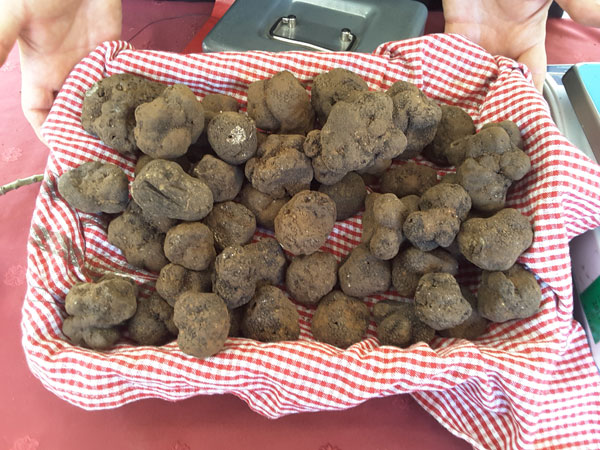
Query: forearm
{"points": [[585, 12]]}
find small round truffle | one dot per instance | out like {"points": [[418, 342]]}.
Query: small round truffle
{"points": [[232, 136], [174, 279], [148, 326], [203, 323], [439, 301], [303, 224], [223, 179], [348, 195], [340, 320], [408, 179], [363, 274], [190, 245], [513, 294], [309, 278], [94, 187], [270, 316], [231, 223]]}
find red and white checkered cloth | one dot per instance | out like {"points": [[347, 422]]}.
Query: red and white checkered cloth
{"points": [[525, 384]]}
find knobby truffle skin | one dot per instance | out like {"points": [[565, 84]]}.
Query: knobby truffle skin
{"points": [[270, 316], [508, 295], [439, 301], [191, 245], [363, 274], [109, 106], [140, 242], [280, 104], [174, 279], [223, 179], [164, 189], [333, 86], [496, 242], [398, 324], [152, 323], [168, 125], [357, 134], [304, 223], [94, 187], [309, 278], [103, 304], [340, 320], [203, 323], [348, 194]]}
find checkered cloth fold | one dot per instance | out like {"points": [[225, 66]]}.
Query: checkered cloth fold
{"points": [[525, 384]]}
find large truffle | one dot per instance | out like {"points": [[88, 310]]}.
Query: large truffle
{"points": [[109, 106], [270, 316], [340, 320], [303, 224], [496, 242], [94, 187], [169, 124], [333, 86], [164, 189], [280, 104], [357, 134]]}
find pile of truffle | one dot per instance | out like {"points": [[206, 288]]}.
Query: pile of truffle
{"points": [[208, 175]]}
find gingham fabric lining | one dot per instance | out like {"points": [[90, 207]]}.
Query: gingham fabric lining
{"points": [[525, 384]]}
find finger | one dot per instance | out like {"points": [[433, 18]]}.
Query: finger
{"points": [[535, 60], [36, 102], [11, 21]]}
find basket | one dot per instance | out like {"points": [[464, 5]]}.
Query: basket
{"points": [[525, 384]]}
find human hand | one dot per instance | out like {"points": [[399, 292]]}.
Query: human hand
{"points": [[53, 36], [513, 28]]}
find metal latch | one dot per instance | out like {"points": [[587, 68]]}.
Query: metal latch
{"points": [[291, 30]]}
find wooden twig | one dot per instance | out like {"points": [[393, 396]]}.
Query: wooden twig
{"points": [[19, 183]]}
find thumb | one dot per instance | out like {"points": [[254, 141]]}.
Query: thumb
{"points": [[36, 101], [535, 60]]}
